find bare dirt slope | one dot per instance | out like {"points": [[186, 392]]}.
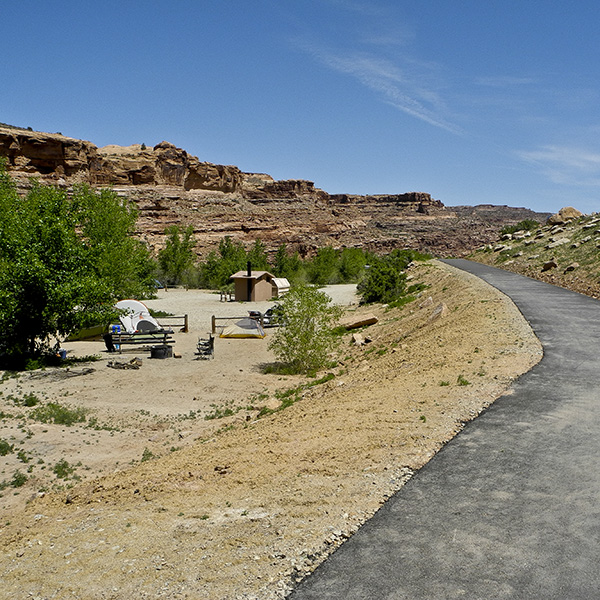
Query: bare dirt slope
{"points": [[248, 511]]}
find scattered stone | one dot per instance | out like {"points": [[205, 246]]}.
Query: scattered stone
{"points": [[558, 242], [357, 339], [427, 302], [571, 267], [441, 310], [355, 321], [551, 264]]}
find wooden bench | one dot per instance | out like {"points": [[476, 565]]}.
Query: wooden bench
{"points": [[145, 339]]}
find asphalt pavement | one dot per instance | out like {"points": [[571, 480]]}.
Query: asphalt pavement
{"points": [[510, 508]]}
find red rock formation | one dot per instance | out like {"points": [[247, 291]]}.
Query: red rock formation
{"points": [[171, 186], [44, 153]]}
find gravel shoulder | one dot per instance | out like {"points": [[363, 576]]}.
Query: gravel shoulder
{"points": [[242, 506]]}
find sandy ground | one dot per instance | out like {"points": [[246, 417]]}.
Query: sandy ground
{"points": [[241, 506]]}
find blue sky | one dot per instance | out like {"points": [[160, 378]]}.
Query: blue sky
{"points": [[471, 101]]}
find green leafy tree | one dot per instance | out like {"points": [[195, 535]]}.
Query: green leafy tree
{"points": [[385, 279], [257, 255], [384, 282], [59, 269], [288, 265], [177, 258], [305, 342], [107, 223], [324, 267], [352, 264], [218, 268]]}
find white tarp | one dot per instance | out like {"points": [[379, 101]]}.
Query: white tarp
{"points": [[136, 317]]}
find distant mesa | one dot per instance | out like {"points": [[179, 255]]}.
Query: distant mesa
{"points": [[56, 156], [172, 187]]}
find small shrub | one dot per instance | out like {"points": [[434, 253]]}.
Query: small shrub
{"points": [[22, 456], [5, 448], [27, 400], [462, 381], [19, 479], [444, 383], [147, 455], [219, 413], [63, 470], [53, 412]]}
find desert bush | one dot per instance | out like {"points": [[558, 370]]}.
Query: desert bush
{"points": [[53, 412], [306, 341], [63, 470], [5, 448], [19, 479], [385, 279]]}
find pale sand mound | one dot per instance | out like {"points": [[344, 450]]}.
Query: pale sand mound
{"points": [[256, 507]]}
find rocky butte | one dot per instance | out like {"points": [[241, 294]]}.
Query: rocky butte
{"points": [[170, 186]]}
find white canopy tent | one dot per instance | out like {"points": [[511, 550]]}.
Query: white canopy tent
{"points": [[136, 317]]}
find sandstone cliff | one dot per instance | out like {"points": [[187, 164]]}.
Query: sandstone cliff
{"points": [[171, 186]]}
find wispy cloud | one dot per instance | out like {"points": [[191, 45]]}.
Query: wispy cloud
{"points": [[565, 165], [394, 84]]}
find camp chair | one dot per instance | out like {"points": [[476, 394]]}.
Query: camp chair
{"points": [[205, 348]]}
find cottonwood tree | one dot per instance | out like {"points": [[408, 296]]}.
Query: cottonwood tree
{"points": [[177, 257], [305, 342], [218, 268], [64, 260]]}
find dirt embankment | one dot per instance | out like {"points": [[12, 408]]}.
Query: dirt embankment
{"points": [[249, 511]]}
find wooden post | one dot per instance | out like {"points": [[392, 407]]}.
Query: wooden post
{"points": [[185, 323], [214, 324]]}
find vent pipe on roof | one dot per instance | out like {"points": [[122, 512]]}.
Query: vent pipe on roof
{"points": [[249, 283]]}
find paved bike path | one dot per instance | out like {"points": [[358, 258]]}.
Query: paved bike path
{"points": [[510, 508]]}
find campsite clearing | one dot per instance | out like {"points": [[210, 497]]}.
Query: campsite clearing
{"points": [[195, 484]]}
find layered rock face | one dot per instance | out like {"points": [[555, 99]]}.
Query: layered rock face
{"points": [[171, 186], [44, 153], [165, 164]]}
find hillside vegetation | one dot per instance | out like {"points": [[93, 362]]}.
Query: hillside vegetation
{"points": [[565, 254]]}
